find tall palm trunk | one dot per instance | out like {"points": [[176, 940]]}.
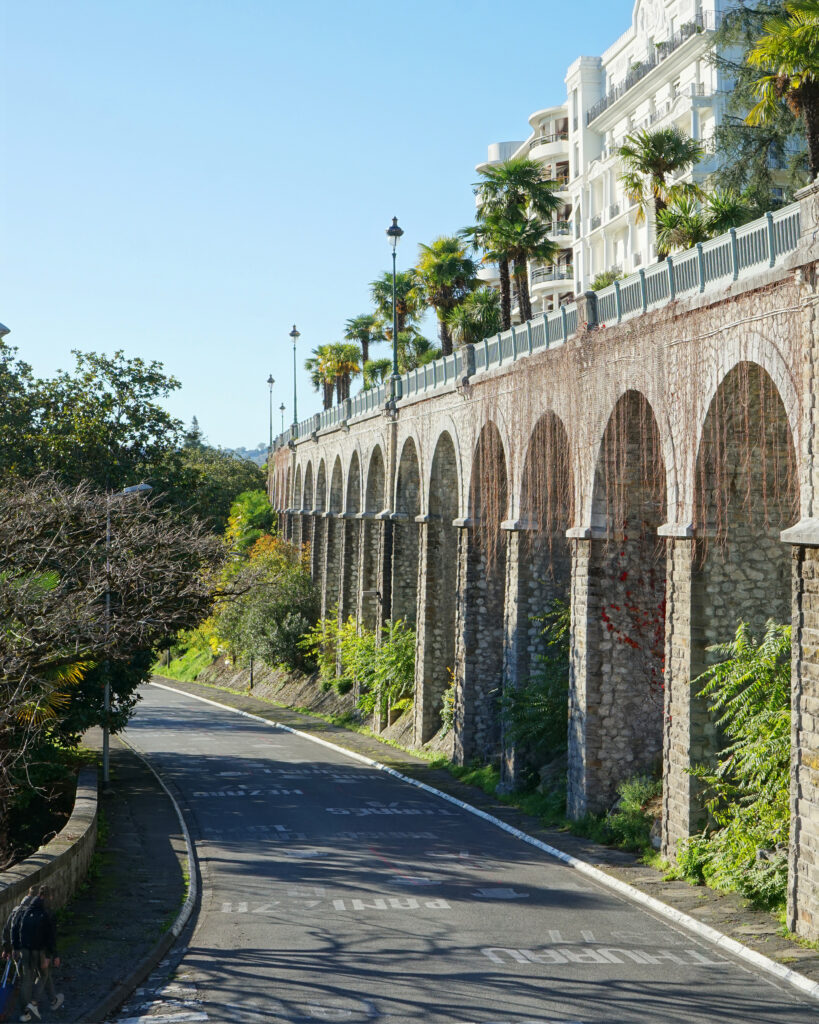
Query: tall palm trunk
{"points": [[810, 112], [522, 279], [328, 386], [505, 294], [446, 339], [365, 350]]}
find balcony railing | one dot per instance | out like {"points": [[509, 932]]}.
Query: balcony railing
{"points": [[614, 210], [596, 221], [707, 267], [560, 227], [706, 21], [544, 140], [561, 273]]}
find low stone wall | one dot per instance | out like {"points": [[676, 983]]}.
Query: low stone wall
{"points": [[61, 864]]}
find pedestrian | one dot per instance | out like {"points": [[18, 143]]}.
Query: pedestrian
{"points": [[38, 945]]}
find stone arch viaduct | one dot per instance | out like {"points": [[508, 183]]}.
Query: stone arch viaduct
{"points": [[657, 474]]}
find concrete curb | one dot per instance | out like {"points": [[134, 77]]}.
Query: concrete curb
{"points": [[126, 986], [703, 931]]}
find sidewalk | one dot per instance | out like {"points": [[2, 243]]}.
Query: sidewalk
{"points": [[726, 912], [133, 893]]}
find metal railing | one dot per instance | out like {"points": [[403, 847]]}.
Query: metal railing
{"points": [[544, 140], [560, 227], [596, 221], [614, 210], [551, 274], [709, 265], [706, 21]]}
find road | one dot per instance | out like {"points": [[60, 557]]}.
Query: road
{"points": [[335, 892]]}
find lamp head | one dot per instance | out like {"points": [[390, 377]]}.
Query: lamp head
{"points": [[270, 381], [295, 335], [394, 233], [281, 407], [4, 330]]}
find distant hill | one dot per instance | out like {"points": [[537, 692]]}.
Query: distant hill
{"points": [[257, 454]]}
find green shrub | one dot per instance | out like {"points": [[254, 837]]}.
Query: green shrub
{"points": [[744, 845], [448, 706], [536, 713]]}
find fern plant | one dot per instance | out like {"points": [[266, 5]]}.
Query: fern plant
{"points": [[744, 846]]}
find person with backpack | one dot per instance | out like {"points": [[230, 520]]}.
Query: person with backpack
{"points": [[38, 945], [11, 929]]}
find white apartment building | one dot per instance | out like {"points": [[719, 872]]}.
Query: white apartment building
{"points": [[656, 74]]}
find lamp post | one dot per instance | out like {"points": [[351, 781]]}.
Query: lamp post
{"points": [[138, 489], [270, 383], [295, 335], [281, 410], [394, 234]]}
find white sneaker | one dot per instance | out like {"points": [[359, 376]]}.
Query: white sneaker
{"points": [[57, 1001], [31, 1011]]}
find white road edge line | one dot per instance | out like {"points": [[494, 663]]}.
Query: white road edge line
{"points": [[763, 963], [187, 907]]}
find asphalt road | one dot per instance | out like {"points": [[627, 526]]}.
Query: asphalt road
{"points": [[334, 892]]}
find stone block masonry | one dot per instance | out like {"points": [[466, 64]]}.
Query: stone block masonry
{"points": [[675, 481]]}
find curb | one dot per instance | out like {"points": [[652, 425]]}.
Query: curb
{"points": [[126, 986], [703, 931]]}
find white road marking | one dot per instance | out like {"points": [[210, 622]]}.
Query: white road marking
{"points": [[173, 1018], [500, 894]]}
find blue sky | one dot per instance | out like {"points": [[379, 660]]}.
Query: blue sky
{"points": [[184, 179]]}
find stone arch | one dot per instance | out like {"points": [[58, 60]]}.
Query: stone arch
{"points": [[539, 577], [372, 539], [438, 580], [308, 488], [746, 493], [446, 426], [297, 528], [331, 590], [615, 731], [351, 540], [481, 589], [405, 546], [317, 551], [297, 493]]}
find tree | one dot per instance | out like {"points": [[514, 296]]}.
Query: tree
{"points": [[366, 330], [103, 422], [345, 360], [57, 643], [408, 301], [251, 517], [321, 368], [687, 221], [415, 351], [480, 236], [446, 276], [194, 438], [789, 54], [511, 194], [376, 372], [750, 155], [478, 316], [649, 158], [203, 482]]}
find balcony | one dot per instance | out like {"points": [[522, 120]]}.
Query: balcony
{"points": [[542, 275], [544, 140], [595, 222], [614, 211], [707, 21], [560, 227]]}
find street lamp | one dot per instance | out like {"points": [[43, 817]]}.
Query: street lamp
{"points": [[394, 233], [281, 410], [270, 383], [140, 490], [294, 334]]}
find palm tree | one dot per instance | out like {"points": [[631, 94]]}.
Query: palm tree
{"points": [[446, 276], [478, 316], [649, 158], [480, 236], [724, 209], [415, 351], [527, 240], [376, 372], [346, 360], [789, 53], [511, 191], [408, 302], [365, 329], [681, 225], [321, 368]]}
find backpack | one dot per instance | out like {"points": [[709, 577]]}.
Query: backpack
{"points": [[12, 929], [33, 926]]}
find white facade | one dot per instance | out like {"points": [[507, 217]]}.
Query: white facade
{"points": [[656, 74]]}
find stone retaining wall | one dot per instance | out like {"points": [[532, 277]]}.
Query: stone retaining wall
{"points": [[62, 863]]}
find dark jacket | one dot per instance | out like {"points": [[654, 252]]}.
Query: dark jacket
{"points": [[48, 936]]}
